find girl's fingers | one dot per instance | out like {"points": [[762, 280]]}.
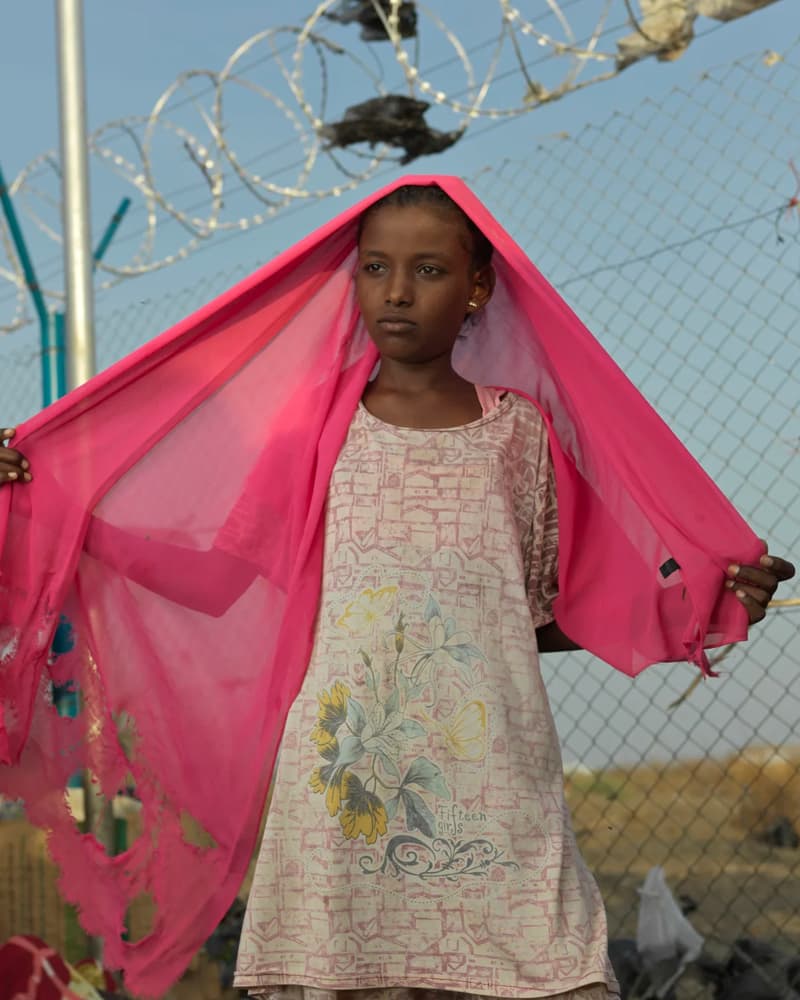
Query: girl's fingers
{"points": [[7, 433], [782, 568], [767, 578], [760, 594], [14, 473], [755, 602], [11, 456]]}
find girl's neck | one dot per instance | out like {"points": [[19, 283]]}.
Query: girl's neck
{"points": [[423, 396]]}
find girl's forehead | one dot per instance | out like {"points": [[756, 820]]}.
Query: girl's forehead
{"points": [[385, 222]]}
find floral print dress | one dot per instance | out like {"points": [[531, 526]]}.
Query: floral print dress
{"points": [[418, 837]]}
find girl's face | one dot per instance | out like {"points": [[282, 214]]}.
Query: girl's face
{"points": [[415, 279]]}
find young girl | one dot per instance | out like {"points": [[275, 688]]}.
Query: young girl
{"points": [[418, 839]]}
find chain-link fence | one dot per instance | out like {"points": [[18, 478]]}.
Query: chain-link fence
{"points": [[675, 233]]}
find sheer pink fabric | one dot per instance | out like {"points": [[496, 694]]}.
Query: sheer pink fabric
{"points": [[175, 517]]}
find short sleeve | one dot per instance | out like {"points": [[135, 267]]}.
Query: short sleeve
{"points": [[542, 563], [537, 514]]}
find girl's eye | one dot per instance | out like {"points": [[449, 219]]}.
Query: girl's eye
{"points": [[429, 269], [373, 267]]}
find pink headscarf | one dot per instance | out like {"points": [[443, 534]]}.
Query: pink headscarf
{"points": [[176, 518]]}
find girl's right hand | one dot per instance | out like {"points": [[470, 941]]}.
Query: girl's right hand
{"points": [[14, 467]]}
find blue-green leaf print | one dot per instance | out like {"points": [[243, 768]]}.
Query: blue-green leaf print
{"points": [[392, 702], [391, 807], [411, 729], [350, 750], [458, 654], [418, 815], [426, 774], [416, 690], [388, 764], [432, 609], [356, 716]]}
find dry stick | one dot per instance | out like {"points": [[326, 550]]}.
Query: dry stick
{"points": [[785, 602], [712, 663]]}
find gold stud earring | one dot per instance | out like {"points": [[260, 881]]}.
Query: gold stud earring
{"points": [[473, 304]]}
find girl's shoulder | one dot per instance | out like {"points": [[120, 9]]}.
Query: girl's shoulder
{"points": [[521, 436], [523, 409], [519, 429]]}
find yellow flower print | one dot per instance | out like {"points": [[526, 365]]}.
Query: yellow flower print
{"points": [[324, 740], [336, 792], [333, 706], [332, 781], [364, 815], [362, 615], [331, 714], [316, 782]]}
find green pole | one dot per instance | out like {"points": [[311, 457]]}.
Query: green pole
{"points": [[52, 337], [45, 323], [60, 353], [111, 229], [22, 250]]}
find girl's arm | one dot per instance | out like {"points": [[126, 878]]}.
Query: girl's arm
{"points": [[550, 639], [209, 581]]}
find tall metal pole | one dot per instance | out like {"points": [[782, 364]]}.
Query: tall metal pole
{"points": [[78, 271], [78, 263]]}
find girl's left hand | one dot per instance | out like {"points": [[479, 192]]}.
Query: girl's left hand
{"points": [[756, 585]]}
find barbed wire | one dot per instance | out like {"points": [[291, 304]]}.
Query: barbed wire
{"points": [[52, 266], [567, 45]]}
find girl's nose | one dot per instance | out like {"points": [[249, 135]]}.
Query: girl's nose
{"points": [[398, 291]]}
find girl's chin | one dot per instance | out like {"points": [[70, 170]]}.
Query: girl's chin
{"points": [[405, 350], [404, 357], [397, 348]]}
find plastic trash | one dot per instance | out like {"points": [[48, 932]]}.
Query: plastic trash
{"points": [[665, 939]]}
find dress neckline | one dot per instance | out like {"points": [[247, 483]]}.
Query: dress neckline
{"points": [[506, 401]]}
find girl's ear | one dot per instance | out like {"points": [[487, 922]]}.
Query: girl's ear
{"points": [[482, 287]]}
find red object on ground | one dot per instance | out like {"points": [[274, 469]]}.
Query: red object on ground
{"points": [[31, 970]]}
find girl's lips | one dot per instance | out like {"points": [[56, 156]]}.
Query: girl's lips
{"points": [[396, 324]]}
